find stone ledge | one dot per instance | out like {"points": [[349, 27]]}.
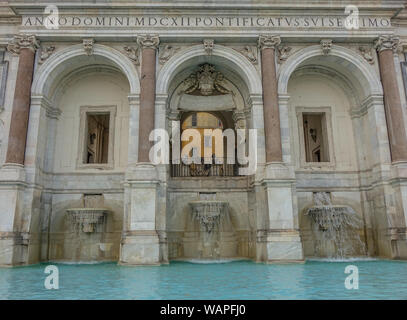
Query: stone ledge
{"points": [[18, 238], [11, 172], [142, 171], [140, 248]]}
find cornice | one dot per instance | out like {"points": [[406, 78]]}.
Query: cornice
{"points": [[394, 5]]}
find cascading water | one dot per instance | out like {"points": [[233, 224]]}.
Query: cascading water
{"points": [[87, 229], [210, 233], [335, 228]]}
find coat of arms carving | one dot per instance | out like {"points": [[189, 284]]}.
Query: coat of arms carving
{"points": [[206, 82]]}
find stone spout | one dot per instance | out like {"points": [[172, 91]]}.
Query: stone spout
{"points": [[87, 219]]}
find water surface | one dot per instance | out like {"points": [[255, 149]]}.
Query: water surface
{"points": [[315, 279]]}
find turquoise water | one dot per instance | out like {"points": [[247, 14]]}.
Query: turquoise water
{"points": [[378, 279]]}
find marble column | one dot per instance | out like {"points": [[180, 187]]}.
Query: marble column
{"points": [[385, 46], [148, 45], [272, 131], [25, 46], [144, 196]]}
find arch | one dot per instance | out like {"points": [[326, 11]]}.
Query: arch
{"points": [[84, 72], [330, 75], [232, 58], [62, 62], [349, 64]]}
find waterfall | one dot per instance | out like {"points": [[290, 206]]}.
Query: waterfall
{"points": [[210, 233], [335, 228]]}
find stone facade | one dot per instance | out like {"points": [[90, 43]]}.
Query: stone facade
{"points": [[137, 60]]}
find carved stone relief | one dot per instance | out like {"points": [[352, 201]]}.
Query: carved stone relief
{"points": [[326, 46], [205, 89], [133, 54], [206, 81], [167, 52], [23, 41], [367, 53], [283, 53], [250, 53], [46, 53], [208, 46], [88, 46]]}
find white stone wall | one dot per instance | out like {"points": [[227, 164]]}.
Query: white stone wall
{"points": [[91, 90]]}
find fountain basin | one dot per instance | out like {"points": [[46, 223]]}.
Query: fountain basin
{"points": [[87, 219], [333, 216]]}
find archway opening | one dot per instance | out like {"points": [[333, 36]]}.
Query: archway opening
{"points": [[208, 105], [208, 212], [85, 132]]}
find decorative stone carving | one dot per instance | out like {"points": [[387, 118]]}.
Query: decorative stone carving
{"points": [[239, 119], [148, 41], [133, 54], [173, 115], [206, 80], [367, 53], [402, 47], [46, 53], [208, 46], [283, 53], [269, 41], [166, 53], [250, 53], [87, 219], [88, 46], [23, 41], [387, 42], [326, 45]]}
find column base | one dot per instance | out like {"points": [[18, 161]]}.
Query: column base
{"points": [[140, 248], [397, 243], [282, 246], [13, 249]]}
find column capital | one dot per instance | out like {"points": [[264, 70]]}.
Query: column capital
{"points": [[148, 41], [269, 41], [173, 115], [23, 41], [387, 42]]}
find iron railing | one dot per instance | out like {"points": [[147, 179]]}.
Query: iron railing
{"points": [[214, 169]]}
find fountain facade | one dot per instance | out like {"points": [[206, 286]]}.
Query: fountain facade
{"points": [[209, 231], [87, 233], [335, 228], [84, 232]]}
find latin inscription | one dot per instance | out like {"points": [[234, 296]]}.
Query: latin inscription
{"points": [[178, 21]]}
